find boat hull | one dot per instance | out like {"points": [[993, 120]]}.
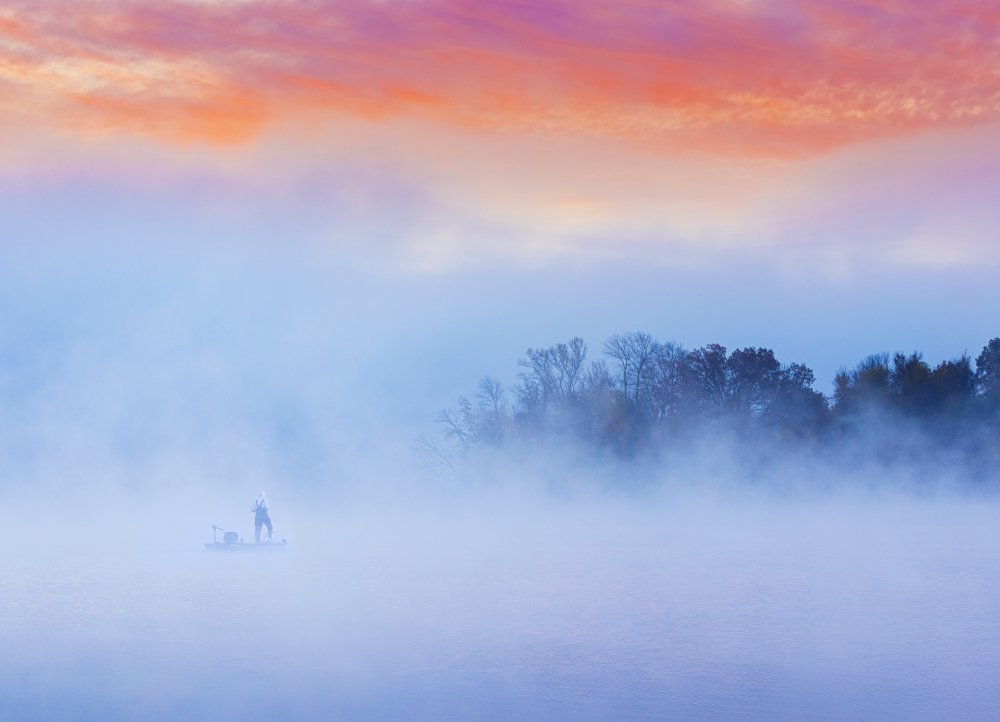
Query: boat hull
{"points": [[240, 547]]}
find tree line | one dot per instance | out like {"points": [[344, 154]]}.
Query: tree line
{"points": [[645, 395]]}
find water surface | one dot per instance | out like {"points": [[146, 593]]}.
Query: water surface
{"points": [[824, 610]]}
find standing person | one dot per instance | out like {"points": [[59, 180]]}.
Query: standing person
{"points": [[261, 517]]}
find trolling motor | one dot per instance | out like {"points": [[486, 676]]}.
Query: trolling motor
{"points": [[228, 537], [231, 542]]}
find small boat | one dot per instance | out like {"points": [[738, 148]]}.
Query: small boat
{"points": [[231, 542]]}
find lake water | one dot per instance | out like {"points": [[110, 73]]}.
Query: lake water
{"points": [[868, 608]]}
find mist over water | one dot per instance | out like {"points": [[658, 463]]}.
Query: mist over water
{"points": [[139, 410], [495, 604]]}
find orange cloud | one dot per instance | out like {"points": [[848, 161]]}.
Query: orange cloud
{"points": [[761, 77]]}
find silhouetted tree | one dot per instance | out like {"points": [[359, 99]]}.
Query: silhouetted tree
{"points": [[954, 385], [548, 394], [635, 354], [653, 393], [911, 384], [797, 409], [988, 370], [864, 388], [704, 381], [667, 382], [493, 417], [459, 425], [754, 378], [597, 381], [553, 373]]}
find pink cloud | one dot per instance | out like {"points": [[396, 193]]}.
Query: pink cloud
{"points": [[745, 78]]}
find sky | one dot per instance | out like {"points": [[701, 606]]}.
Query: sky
{"points": [[291, 225]]}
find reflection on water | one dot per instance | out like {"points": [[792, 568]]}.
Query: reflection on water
{"points": [[786, 612]]}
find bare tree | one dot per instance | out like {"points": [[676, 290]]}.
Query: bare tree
{"points": [[492, 422], [667, 382], [644, 349], [428, 455], [635, 353], [490, 395], [459, 425], [618, 347], [569, 358], [553, 373], [597, 381]]}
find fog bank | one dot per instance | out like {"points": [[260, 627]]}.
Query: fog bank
{"points": [[869, 605]]}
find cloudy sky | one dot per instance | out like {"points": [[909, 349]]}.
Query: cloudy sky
{"points": [[283, 221]]}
